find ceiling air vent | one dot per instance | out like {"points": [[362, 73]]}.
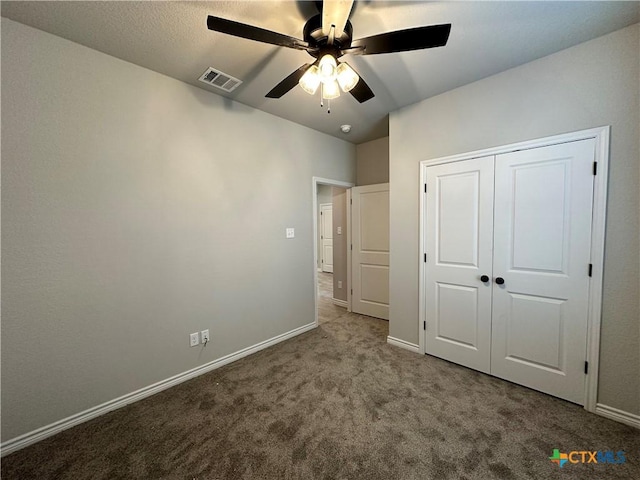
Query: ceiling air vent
{"points": [[220, 80]]}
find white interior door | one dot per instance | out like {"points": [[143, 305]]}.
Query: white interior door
{"points": [[370, 250], [326, 236], [459, 231], [543, 208]]}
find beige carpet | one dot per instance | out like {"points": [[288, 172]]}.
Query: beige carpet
{"points": [[335, 403]]}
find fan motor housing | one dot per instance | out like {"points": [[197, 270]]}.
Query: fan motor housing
{"points": [[313, 35]]}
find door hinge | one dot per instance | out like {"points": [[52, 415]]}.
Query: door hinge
{"points": [[424, 325], [351, 201], [595, 168], [425, 188], [352, 291], [321, 237], [321, 213], [586, 367], [425, 258], [590, 269]]}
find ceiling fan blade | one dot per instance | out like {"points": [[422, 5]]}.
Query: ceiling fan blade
{"points": [[336, 13], [361, 92], [250, 32], [288, 83], [405, 40], [351, 51]]}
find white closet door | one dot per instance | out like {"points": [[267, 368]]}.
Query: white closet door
{"points": [[459, 232], [370, 255], [543, 205]]}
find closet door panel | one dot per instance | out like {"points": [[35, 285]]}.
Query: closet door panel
{"points": [[459, 229], [543, 207]]}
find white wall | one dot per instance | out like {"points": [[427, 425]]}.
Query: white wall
{"points": [[137, 209], [589, 85], [372, 162]]}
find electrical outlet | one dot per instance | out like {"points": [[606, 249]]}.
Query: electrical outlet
{"points": [[290, 233], [339, 230], [339, 283], [204, 336], [193, 338]]}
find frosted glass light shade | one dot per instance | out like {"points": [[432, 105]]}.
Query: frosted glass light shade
{"points": [[347, 77], [330, 90], [310, 80], [327, 68]]}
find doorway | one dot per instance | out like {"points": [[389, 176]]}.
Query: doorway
{"points": [[330, 247]]}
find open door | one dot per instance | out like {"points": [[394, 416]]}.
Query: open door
{"points": [[370, 250]]}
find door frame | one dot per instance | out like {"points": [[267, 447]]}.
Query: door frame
{"points": [[598, 223], [315, 181]]}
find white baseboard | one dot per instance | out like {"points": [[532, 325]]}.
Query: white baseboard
{"points": [[340, 303], [618, 415], [412, 347], [29, 438]]}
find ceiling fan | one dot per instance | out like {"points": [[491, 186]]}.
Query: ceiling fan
{"points": [[327, 37]]}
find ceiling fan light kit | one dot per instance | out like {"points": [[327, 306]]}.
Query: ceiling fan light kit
{"points": [[331, 76], [347, 77], [310, 81], [323, 41], [327, 68], [330, 90]]}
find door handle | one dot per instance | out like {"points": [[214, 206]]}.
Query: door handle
{"points": [[499, 280], [484, 278]]}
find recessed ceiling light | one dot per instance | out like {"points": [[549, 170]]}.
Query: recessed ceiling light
{"points": [[345, 128]]}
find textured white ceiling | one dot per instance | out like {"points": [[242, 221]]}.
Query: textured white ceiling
{"points": [[172, 38]]}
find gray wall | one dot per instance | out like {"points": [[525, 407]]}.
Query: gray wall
{"points": [[339, 243], [372, 162], [137, 209], [589, 85], [324, 196]]}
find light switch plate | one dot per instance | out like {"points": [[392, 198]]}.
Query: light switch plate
{"points": [[290, 232]]}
